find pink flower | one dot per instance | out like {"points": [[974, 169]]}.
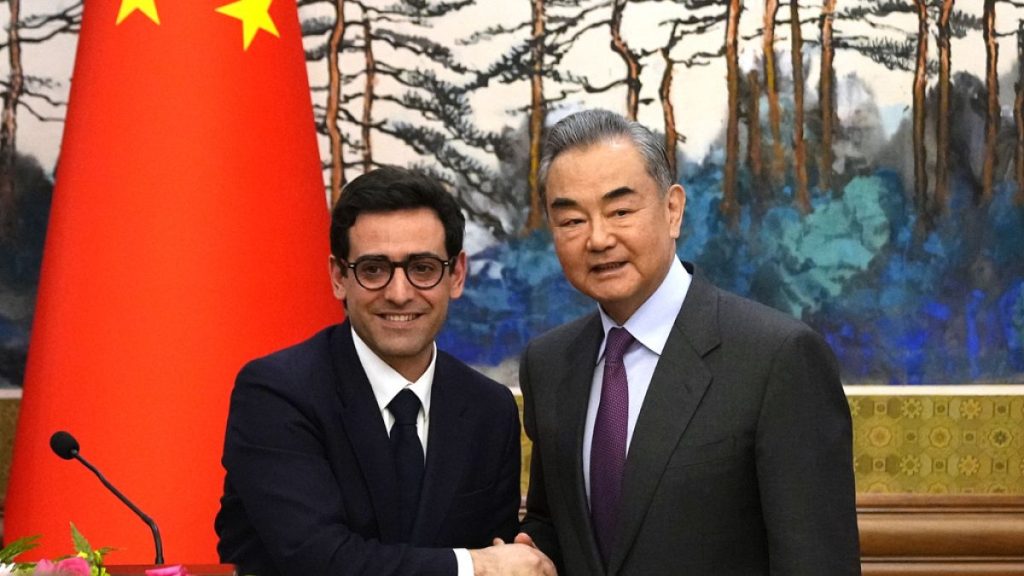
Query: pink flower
{"points": [[45, 568], [74, 566], [175, 570]]}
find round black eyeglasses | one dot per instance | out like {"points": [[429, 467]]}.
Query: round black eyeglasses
{"points": [[375, 273]]}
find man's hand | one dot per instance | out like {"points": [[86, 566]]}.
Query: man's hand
{"points": [[524, 538], [517, 559]]}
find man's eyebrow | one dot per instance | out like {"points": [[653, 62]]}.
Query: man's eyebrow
{"points": [[427, 254], [561, 202], [374, 256], [619, 192]]}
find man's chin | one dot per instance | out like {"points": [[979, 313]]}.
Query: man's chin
{"points": [[609, 293], [402, 348]]}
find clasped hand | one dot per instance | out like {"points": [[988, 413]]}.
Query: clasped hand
{"points": [[520, 558]]}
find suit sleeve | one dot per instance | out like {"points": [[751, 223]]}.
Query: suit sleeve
{"points": [[275, 460], [508, 488], [805, 463], [537, 522]]}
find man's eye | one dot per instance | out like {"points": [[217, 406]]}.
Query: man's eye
{"points": [[569, 222], [423, 267], [372, 269]]}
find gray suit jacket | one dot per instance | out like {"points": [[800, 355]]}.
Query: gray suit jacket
{"points": [[740, 463]]}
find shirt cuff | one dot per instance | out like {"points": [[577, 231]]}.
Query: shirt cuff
{"points": [[465, 561]]}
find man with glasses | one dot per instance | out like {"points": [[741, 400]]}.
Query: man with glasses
{"points": [[365, 450]]}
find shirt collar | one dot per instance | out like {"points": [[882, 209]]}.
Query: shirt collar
{"points": [[652, 322], [386, 382]]}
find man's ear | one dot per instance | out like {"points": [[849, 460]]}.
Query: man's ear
{"points": [[676, 208], [338, 272], [458, 272]]}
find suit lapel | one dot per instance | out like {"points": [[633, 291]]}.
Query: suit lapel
{"points": [[447, 443], [677, 386], [365, 428], [572, 399]]}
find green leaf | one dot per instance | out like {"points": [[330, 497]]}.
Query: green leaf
{"points": [[7, 553], [81, 544]]}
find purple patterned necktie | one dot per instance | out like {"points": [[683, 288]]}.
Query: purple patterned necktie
{"points": [[608, 447]]}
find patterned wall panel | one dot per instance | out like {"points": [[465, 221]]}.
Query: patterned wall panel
{"points": [[934, 443], [939, 444], [8, 419]]}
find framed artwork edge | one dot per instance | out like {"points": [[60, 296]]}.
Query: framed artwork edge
{"points": [[935, 390]]}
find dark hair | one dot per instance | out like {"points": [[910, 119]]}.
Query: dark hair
{"points": [[589, 127], [391, 188]]}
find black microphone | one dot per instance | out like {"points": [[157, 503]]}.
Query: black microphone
{"points": [[65, 446]]}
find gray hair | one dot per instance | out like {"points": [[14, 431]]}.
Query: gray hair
{"points": [[589, 127]]}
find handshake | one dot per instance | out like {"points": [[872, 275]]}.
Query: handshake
{"points": [[520, 558]]}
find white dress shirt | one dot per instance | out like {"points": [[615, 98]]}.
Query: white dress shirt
{"points": [[650, 325], [386, 383]]}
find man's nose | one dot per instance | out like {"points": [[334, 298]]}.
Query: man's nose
{"points": [[600, 237], [399, 290]]}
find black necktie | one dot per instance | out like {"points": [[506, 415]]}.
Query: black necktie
{"points": [[408, 453]]}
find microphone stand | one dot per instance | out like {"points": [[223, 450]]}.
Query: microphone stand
{"points": [[149, 521]]}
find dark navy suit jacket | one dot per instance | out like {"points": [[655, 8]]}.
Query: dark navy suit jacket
{"points": [[311, 487]]}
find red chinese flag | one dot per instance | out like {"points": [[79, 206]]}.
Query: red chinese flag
{"points": [[189, 234]]}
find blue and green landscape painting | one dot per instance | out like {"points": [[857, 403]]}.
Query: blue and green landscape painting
{"points": [[857, 164], [896, 306]]}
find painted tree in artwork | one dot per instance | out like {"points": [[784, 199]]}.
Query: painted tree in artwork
{"points": [[390, 79], [25, 92], [950, 23], [696, 18], [418, 88], [534, 218], [938, 203], [905, 50], [9, 123], [668, 112], [580, 18], [539, 45], [754, 164], [33, 97], [328, 26], [992, 117], [336, 26], [776, 172], [827, 92], [630, 58], [803, 199], [730, 204], [771, 89], [910, 52], [535, 59], [919, 112]]}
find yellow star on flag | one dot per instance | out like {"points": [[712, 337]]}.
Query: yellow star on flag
{"points": [[255, 16], [147, 7]]}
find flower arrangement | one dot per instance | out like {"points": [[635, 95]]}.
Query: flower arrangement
{"points": [[87, 561]]}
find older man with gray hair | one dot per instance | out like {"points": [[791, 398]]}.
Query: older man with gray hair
{"points": [[677, 429]]}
